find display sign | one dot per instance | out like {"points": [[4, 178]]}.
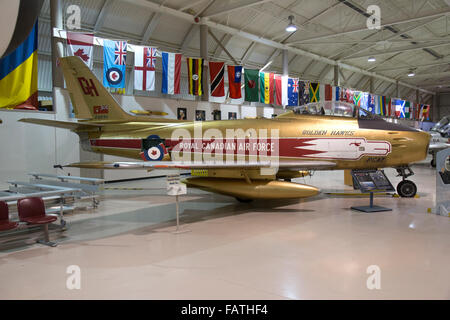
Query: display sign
{"points": [[371, 180], [174, 186]]}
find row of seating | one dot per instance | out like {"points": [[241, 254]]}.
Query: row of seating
{"points": [[32, 212]]}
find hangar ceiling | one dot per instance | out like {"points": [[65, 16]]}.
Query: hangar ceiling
{"points": [[414, 36]]}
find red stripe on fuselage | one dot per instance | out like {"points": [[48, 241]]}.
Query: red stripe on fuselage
{"points": [[117, 143], [288, 147]]}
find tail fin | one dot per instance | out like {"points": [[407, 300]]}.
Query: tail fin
{"points": [[89, 97]]}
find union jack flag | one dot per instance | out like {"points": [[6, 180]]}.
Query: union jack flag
{"points": [[295, 86], [150, 57], [120, 53]]}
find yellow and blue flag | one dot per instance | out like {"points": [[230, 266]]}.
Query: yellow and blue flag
{"points": [[18, 74]]}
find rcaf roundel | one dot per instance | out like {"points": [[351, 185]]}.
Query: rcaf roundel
{"points": [[154, 153], [114, 76]]}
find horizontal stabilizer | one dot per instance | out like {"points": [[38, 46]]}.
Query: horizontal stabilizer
{"points": [[61, 124]]}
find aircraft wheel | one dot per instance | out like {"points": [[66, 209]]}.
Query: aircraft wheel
{"points": [[433, 162], [244, 200], [406, 189]]}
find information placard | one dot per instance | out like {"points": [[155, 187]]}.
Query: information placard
{"points": [[174, 185], [371, 181]]}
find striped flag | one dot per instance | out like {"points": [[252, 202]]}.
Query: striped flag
{"points": [[19, 74], [216, 76], [195, 74], [171, 71], [266, 82], [279, 88]]}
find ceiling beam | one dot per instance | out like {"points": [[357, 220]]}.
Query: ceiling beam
{"points": [[210, 3], [234, 7], [225, 39], [437, 14], [430, 75], [414, 66], [248, 52], [325, 71], [190, 5], [193, 30], [102, 15], [402, 49], [152, 24], [396, 35], [264, 41], [222, 46]]}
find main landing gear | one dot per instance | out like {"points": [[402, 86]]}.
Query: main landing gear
{"points": [[406, 188]]}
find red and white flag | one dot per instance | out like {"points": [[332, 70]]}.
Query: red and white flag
{"points": [[144, 68], [171, 71], [81, 45], [216, 78], [278, 90]]}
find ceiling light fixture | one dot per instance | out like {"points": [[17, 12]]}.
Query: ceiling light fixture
{"points": [[371, 59], [411, 73], [291, 27]]}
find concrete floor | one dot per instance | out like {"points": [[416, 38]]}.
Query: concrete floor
{"points": [[315, 248]]}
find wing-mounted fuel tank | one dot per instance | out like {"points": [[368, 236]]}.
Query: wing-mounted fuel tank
{"points": [[256, 189]]}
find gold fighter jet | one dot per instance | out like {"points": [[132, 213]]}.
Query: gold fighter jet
{"points": [[247, 159]]}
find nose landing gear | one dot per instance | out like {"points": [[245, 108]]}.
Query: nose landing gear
{"points": [[406, 188]]}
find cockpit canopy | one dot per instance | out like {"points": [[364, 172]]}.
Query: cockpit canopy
{"points": [[334, 108], [443, 126]]}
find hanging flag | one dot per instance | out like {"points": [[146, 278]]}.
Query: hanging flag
{"points": [[382, 105], [18, 74], [195, 74], [399, 107], [144, 68], [371, 103], [337, 96], [358, 99], [234, 81], [364, 101], [425, 112], [304, 93], [171, 71], [279, 89], [251, 85], [114, 63], [314, 92], [216, 78], [81, 45], [328, 92], [291, 97], [407, 110], [266, 84], [415, 111], [343, 95]]}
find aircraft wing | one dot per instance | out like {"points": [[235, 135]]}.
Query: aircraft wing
{"points": [[153, 165], [438, 146]]}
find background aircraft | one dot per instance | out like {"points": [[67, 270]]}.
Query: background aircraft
{"points": [[440, 138], [305, 142]]}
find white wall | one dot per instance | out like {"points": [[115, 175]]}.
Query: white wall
{"points": [[28, 148]]}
